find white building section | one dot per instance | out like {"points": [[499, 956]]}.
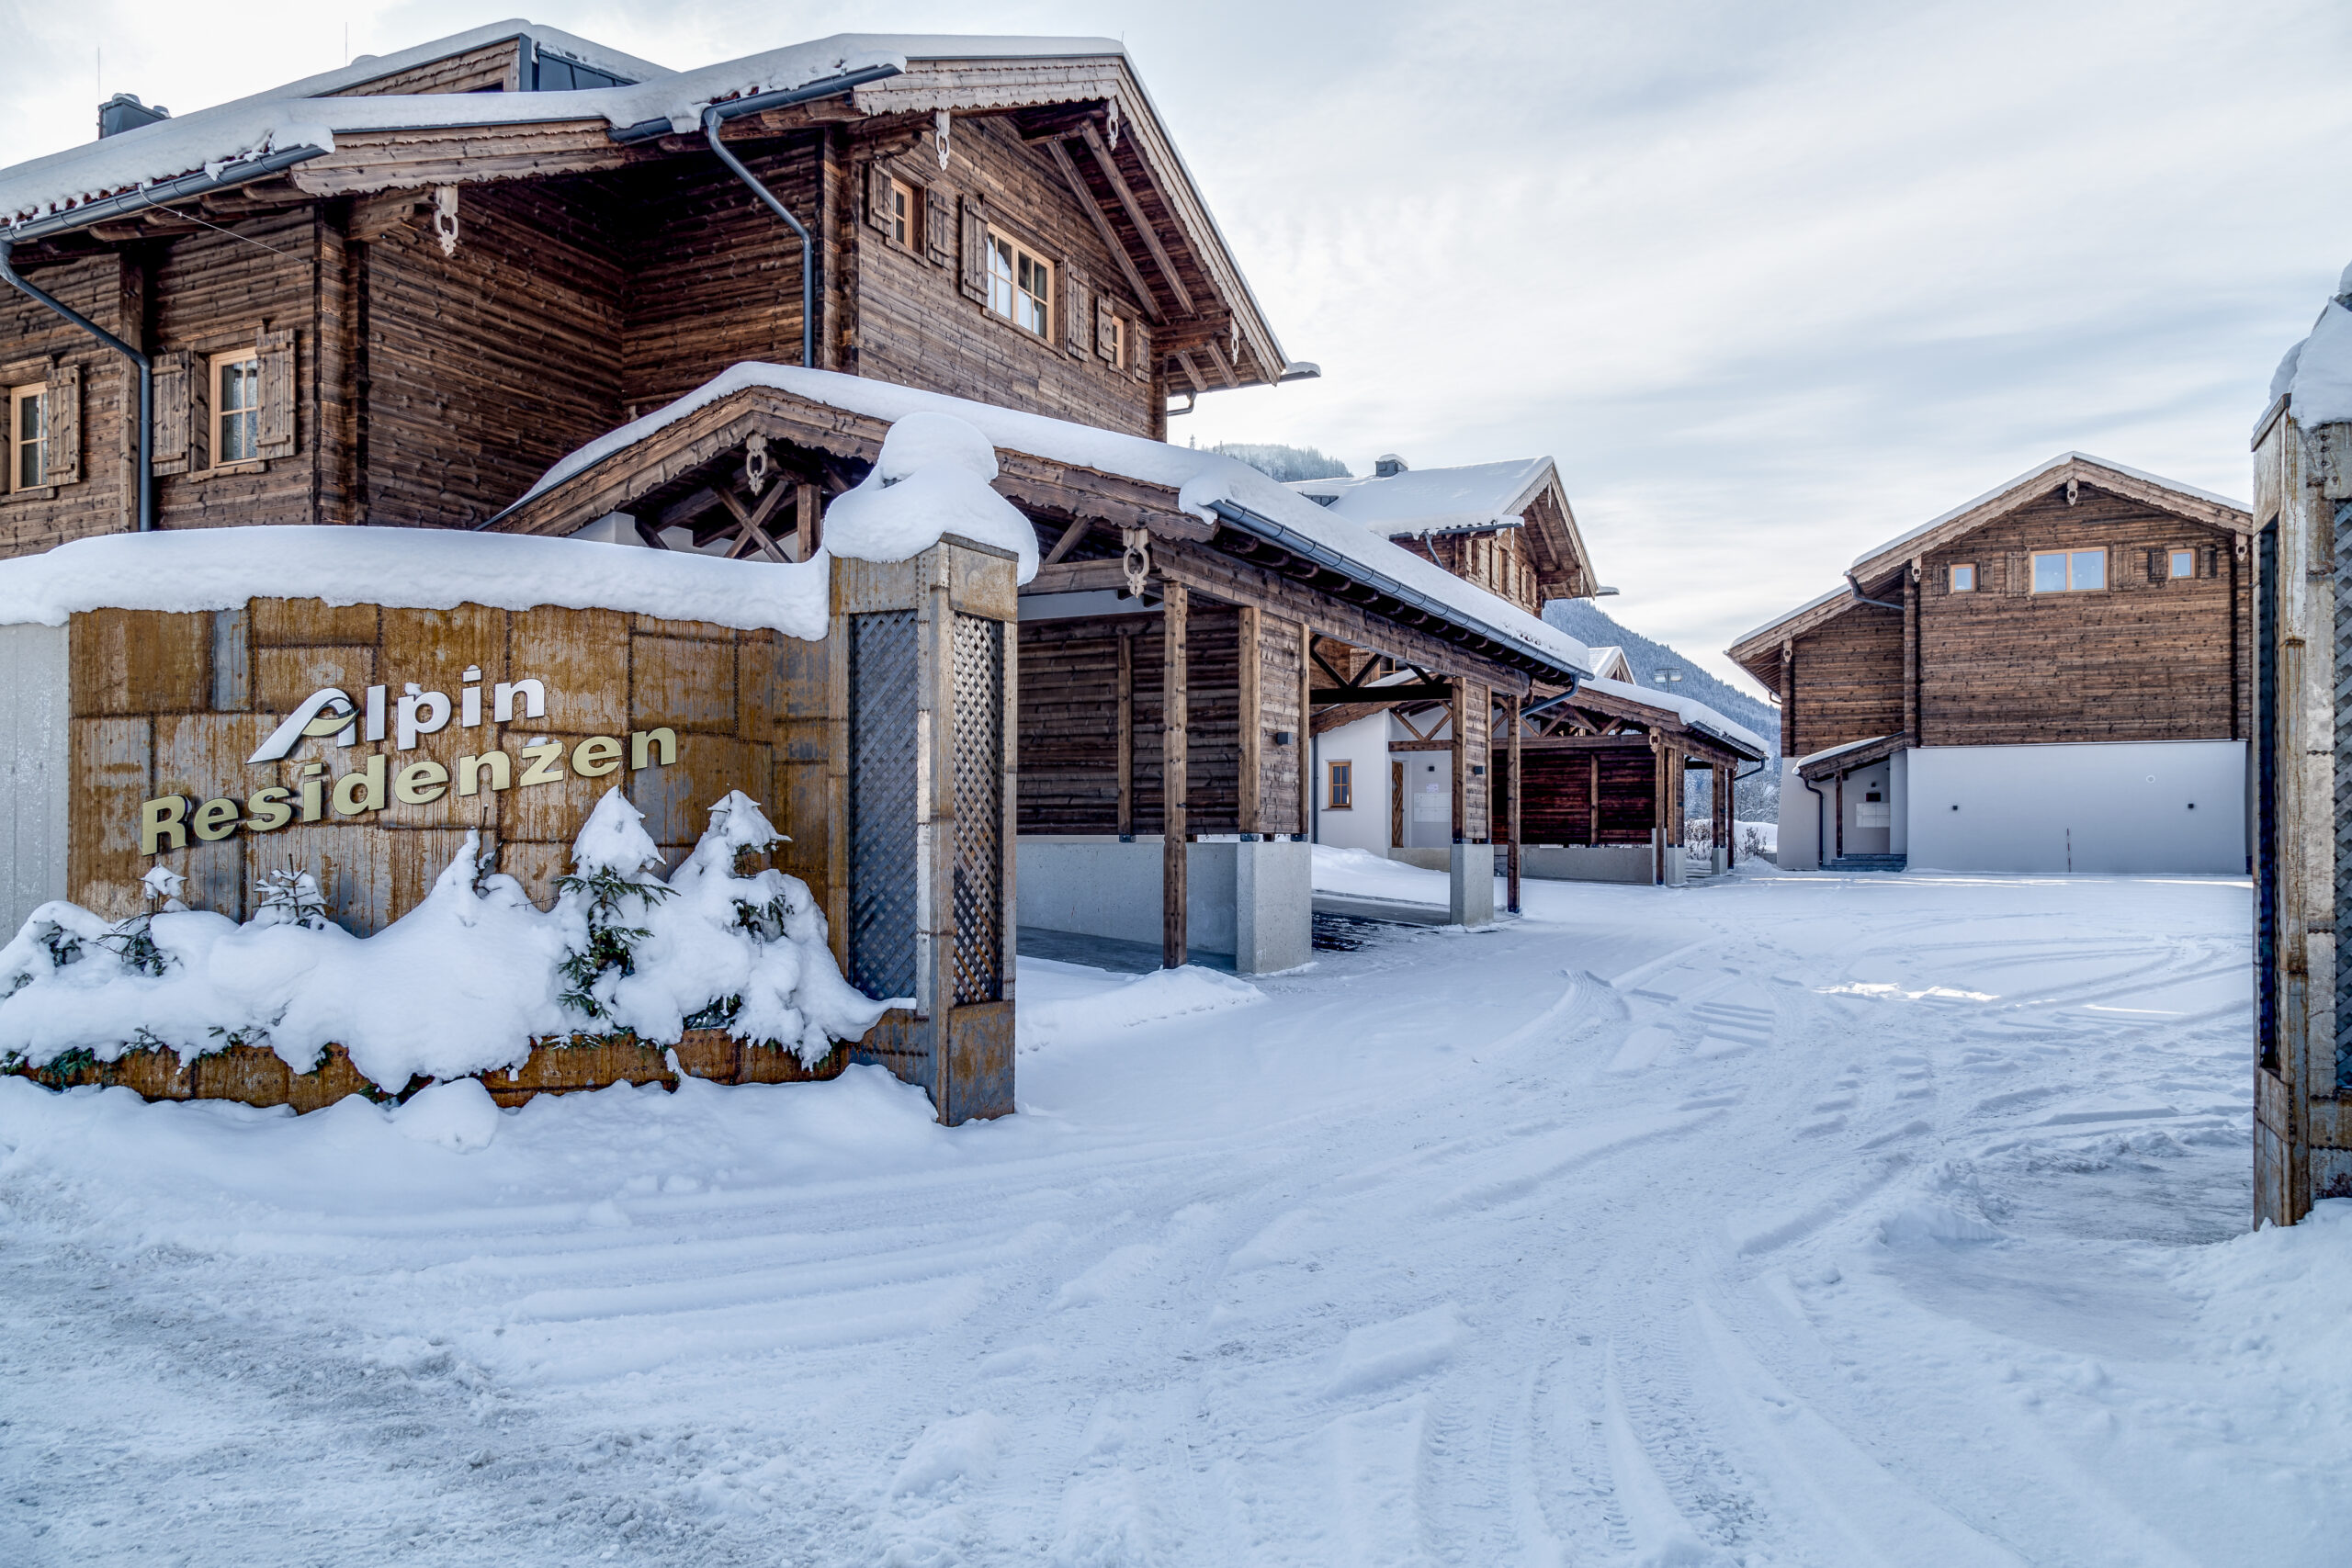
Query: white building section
{"points": [[2126, 807]]}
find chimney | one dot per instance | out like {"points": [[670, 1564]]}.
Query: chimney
{"points": [[125, 112], [1387, 465]]}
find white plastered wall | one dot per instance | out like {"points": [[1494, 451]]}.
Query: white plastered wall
{"points": [[34, 706], [1364, 825], [1801, 819], [2166, 806]]}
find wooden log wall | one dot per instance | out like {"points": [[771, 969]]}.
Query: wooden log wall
{"points": [[33, 341], [485, 367], [174, 703], [1074, 723], [2146, 658], [914, 326], [1558, 809], [1848, 681]]}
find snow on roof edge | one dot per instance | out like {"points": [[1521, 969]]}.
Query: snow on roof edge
{"points": [[1691, 711], [1200, 479], [416, 568], [210, 138], [2060, 460], [1840, 592]]}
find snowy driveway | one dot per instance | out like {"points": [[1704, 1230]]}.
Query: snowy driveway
{"points": [[1785, 1220]]}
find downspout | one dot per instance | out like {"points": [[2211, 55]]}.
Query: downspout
{"points": [[144, 366], [718, 115], [1820, 822]]}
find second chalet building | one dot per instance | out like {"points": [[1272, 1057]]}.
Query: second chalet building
{"points": [[2052, 677]]}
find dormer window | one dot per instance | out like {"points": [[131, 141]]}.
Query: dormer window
{"points": [[1021, 285]]}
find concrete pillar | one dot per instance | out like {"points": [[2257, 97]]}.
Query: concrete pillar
{"points": [[1273, 905], [1470, 895]]}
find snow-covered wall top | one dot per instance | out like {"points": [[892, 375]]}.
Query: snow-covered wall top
{"points": [[416, 568], [1695, 714], [1431, 499], [1200, 479], [294, 117], [2316, 375]]}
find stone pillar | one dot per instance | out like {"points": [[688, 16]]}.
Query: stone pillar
{"points": [[925, 668]]}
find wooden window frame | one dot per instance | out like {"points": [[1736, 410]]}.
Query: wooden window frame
{"points": [[1951, 578], [903, 227], [216, 415], [2172, 560], [2033, 576], [1118, 358], [31, 392], [1018, 251], [1339, 784]]}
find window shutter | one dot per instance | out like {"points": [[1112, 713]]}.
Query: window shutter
{"points": [[939, 226], [2212, 567], [2019, 575], [275, 436], [174, 413], [975, 279], [1107, 330], [2157, 565], [877, 196], [1077, 329], [1139, 362], [61, 408]]}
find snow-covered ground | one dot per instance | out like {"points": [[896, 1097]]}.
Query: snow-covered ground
{"points": [[1780, 1220]]}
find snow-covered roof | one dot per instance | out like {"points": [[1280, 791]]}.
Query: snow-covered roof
{"points": [[1611, 662], [1201, 479], [1810, 758], [366, 68], [1689, 710], [1817, 601], [2027, 477], [417, 569], [2316, 375], [295, 115], [1434, 501]]}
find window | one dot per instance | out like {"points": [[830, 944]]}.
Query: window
{"points": [[903, 218], [2184, 563], [236, 407], [1118, 342], [1021, 286], [1964, 579], [28, 439], [2069, 572], [1340, 795]]}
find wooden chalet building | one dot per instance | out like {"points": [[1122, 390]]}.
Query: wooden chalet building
{"points": [[514, 281], [2052, 677], [1601, 761]]}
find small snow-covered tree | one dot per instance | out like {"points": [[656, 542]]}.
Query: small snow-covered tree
{"points": [[290, 898], [611, 889]]}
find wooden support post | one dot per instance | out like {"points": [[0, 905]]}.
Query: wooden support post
{"points": [[1657, 809], [1592, 803], [1250, 732], [1511, 823], [808, 521], [1788, 693], [1839, 804], [1126, 737], [1461, 754], [1173, 779], [1307, 782], [1911, 652]]}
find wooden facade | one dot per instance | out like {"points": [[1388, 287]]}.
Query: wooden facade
{"points": [[2149, 655]]}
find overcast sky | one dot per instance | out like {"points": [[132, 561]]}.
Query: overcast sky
{"points": [[1772, 283]]}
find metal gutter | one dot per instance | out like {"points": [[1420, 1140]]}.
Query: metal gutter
{"points": [[178, 189], [735, 108], [1242, 520], [140, 364]]}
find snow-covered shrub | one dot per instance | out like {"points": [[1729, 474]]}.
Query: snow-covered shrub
{"points": [[610, 854], [290, 898], [463, 983]]}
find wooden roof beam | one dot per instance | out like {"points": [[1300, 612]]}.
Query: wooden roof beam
{"points": [[1144, 295], [1149, 235]]}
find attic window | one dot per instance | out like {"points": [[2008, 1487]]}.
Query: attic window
{"points": [[1964, 579], [2183, 563], [2069, 572], [549, 74], [1021, 285]]}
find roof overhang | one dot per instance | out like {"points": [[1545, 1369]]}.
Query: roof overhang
{"points": [[1846, 759]]}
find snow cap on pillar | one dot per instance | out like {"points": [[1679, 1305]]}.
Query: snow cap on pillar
{"points": [[931, 479]]}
